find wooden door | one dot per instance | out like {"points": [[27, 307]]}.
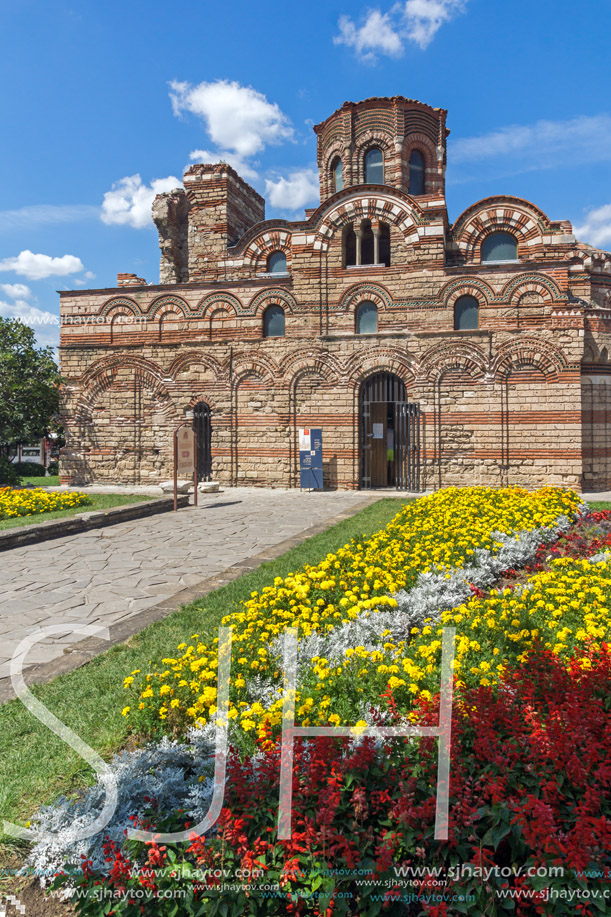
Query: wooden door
{"points": [[378, 444]]}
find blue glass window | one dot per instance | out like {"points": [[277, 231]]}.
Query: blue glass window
{"points": [[276, 263], [367, 318], [500, 246], [466, 313], [273, 322], [337, 175], [416, 172], [374, 167]]}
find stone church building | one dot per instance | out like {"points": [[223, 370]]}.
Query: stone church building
{"points": [[430, 353]]}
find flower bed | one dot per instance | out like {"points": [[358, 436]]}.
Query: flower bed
{"points": [[31, 502], [566, 610], [361, 813], [529, 779], [450, 530]]}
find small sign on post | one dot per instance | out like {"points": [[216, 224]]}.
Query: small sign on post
{"points": [[185, 458]]}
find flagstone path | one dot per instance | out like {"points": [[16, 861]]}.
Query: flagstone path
{"points": [[126, 575]]}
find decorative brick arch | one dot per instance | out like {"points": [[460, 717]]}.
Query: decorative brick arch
{"points": [[253, 363], [98, 384], [532, 283], [361, 292], [314, 360], [424, 145], [527, 352], [209, 303], [368, 140], [102, 377], [200, 357], [221, 323], [264, 244], [116, 319], [165, 304], [500, 214], [119, 361], [120, 305], [594, 260], [466, 286], [337, 149], [402, 213], [202, 398], [456, 357], [385, 360], [271, 297]]}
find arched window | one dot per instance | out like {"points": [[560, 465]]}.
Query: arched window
{"points": [[273, 322], [366, 318], [500, 246], [416, 172], [276, 263], [337, 177], [374, 167], [466, 310]]}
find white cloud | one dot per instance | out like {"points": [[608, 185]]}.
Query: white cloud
{"points": [[242, 167], [583, 139], [237, 118], [37, 267], [597, 228], [130, 201], [417, 21], [424, 18], [44, 214], [295, 191], [376, 34], [15, 290], [45, 324]]}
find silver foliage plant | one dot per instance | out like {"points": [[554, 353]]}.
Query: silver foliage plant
{"points": [[433, 593], [167, 772]]}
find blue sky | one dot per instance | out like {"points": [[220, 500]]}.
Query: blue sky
{"points": [[105, 103]]}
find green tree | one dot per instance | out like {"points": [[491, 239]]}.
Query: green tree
{"points": [[29, 387]]}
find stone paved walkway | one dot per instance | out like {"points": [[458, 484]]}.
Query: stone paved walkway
{"points": [[109, 575]]}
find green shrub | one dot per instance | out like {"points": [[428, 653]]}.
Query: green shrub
{"points": [[30, 469], [53, 468], [8, 473]]}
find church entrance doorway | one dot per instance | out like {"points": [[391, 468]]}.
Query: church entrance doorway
{"points": [[389, 434], [203, 432]]}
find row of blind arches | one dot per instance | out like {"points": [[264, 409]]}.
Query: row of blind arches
{"points": [[373, 170], [466, 317]]}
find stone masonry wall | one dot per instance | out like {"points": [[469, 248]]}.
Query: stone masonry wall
{"points": [[522, 399]]}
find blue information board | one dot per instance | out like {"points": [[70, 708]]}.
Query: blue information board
{"points": [[310, 459]]}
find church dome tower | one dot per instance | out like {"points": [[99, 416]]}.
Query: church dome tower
{"points": [[383, 141]]}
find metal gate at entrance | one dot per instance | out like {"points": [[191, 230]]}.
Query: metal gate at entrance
{"points": [[389, 434], [203, 431]]}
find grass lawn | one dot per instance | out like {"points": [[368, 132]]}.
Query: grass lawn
{"points": [[52, 480], [90, 699], [98, 502]]}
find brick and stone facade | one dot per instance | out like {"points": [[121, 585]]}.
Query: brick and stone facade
{"points": [[522, 398]]}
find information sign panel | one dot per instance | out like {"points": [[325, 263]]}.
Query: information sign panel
{"points": [[185, 458], [310, 459]]}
